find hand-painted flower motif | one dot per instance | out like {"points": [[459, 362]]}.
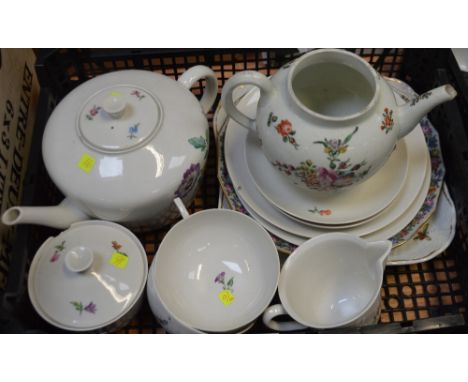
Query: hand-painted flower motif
{"points": [[226, 295], [190, 179], [137, 94], [201, 142], [326, 212], [90, 308], [220, 278], [78, 306], [335, 147], [93, 112], [59, 248], [133, 131], [116, 245], [437, 177], [339, 174], [285, 129], [422, 233], [418, 98], [387, 122]]}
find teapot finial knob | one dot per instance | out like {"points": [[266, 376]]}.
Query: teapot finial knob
{"points": [[79, 259], [114, 105]]}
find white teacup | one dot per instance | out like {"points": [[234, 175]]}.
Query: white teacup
{"points": [[215, 271], [332, 280]]}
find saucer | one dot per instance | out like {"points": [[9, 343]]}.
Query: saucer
{"points": [[263, 208], [352, 205], [432, 238], [232, 144]]}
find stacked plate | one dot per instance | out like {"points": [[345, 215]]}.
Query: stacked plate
{"points": [[394, 204]]}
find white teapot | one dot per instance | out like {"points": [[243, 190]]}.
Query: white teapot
{"points": [[328, 120], [121, 146]]}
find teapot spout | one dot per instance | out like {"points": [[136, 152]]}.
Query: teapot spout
{"points": [[414, 110], [60, 216]]}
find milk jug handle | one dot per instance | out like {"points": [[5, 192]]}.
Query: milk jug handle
{"points": [[248, 77], [283, 326]]}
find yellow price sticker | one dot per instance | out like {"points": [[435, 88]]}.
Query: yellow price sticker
{"points": [[119, 260], [226, 297], [86, 163]]}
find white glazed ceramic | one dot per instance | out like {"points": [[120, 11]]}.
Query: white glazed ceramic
{"points": [[432, 238], [330, 281], [357, 204], [215, 271], [328, 120], [411, 196], [122, 146], [90, 277]]}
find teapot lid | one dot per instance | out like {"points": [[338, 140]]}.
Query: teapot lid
{"points": [[119, 118], [88, 277]]}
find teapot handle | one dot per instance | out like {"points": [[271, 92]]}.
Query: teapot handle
{"points": [[248, 77], [278, 310], [210, 91]]}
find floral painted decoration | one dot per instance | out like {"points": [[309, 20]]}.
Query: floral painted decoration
{"points": [[340, 173], [137, 94], [326, 212], [133, 131], [437, 178], [418, 98], [90, 308], [59, 248], [423, 233], [93, 112], [201, 142], [387, 122], [285, 129], [221, 280], [190, 178], [226, 295]]}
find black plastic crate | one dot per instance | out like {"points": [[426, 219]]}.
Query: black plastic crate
{"points": [[426, 297]]}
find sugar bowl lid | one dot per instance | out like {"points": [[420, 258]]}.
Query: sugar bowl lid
{"points": [[88, 277]]}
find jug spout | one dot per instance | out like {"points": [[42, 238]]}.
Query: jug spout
{"points": [[379, 251], [60, 216], [415, 109]]}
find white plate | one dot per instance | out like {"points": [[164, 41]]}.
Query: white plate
{"points": [[234, 153], [344, 207], [432, 238]]}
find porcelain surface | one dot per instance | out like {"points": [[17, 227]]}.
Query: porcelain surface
{"points": [[328, 120], [308, 287], [215, 271], [347, 206], [236, 170], [88, 277], [246, 188], [123, 145], [432, 238]]}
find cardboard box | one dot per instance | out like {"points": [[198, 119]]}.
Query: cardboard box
{"points": [[19, 93]]}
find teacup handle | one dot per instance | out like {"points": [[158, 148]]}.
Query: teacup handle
{"points": [[248, 77], [210, 91], [181, 207], [287, 326]]}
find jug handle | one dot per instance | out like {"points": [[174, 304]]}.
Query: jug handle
{"points": [[287, 326], [248, 77], [210, 91]]}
